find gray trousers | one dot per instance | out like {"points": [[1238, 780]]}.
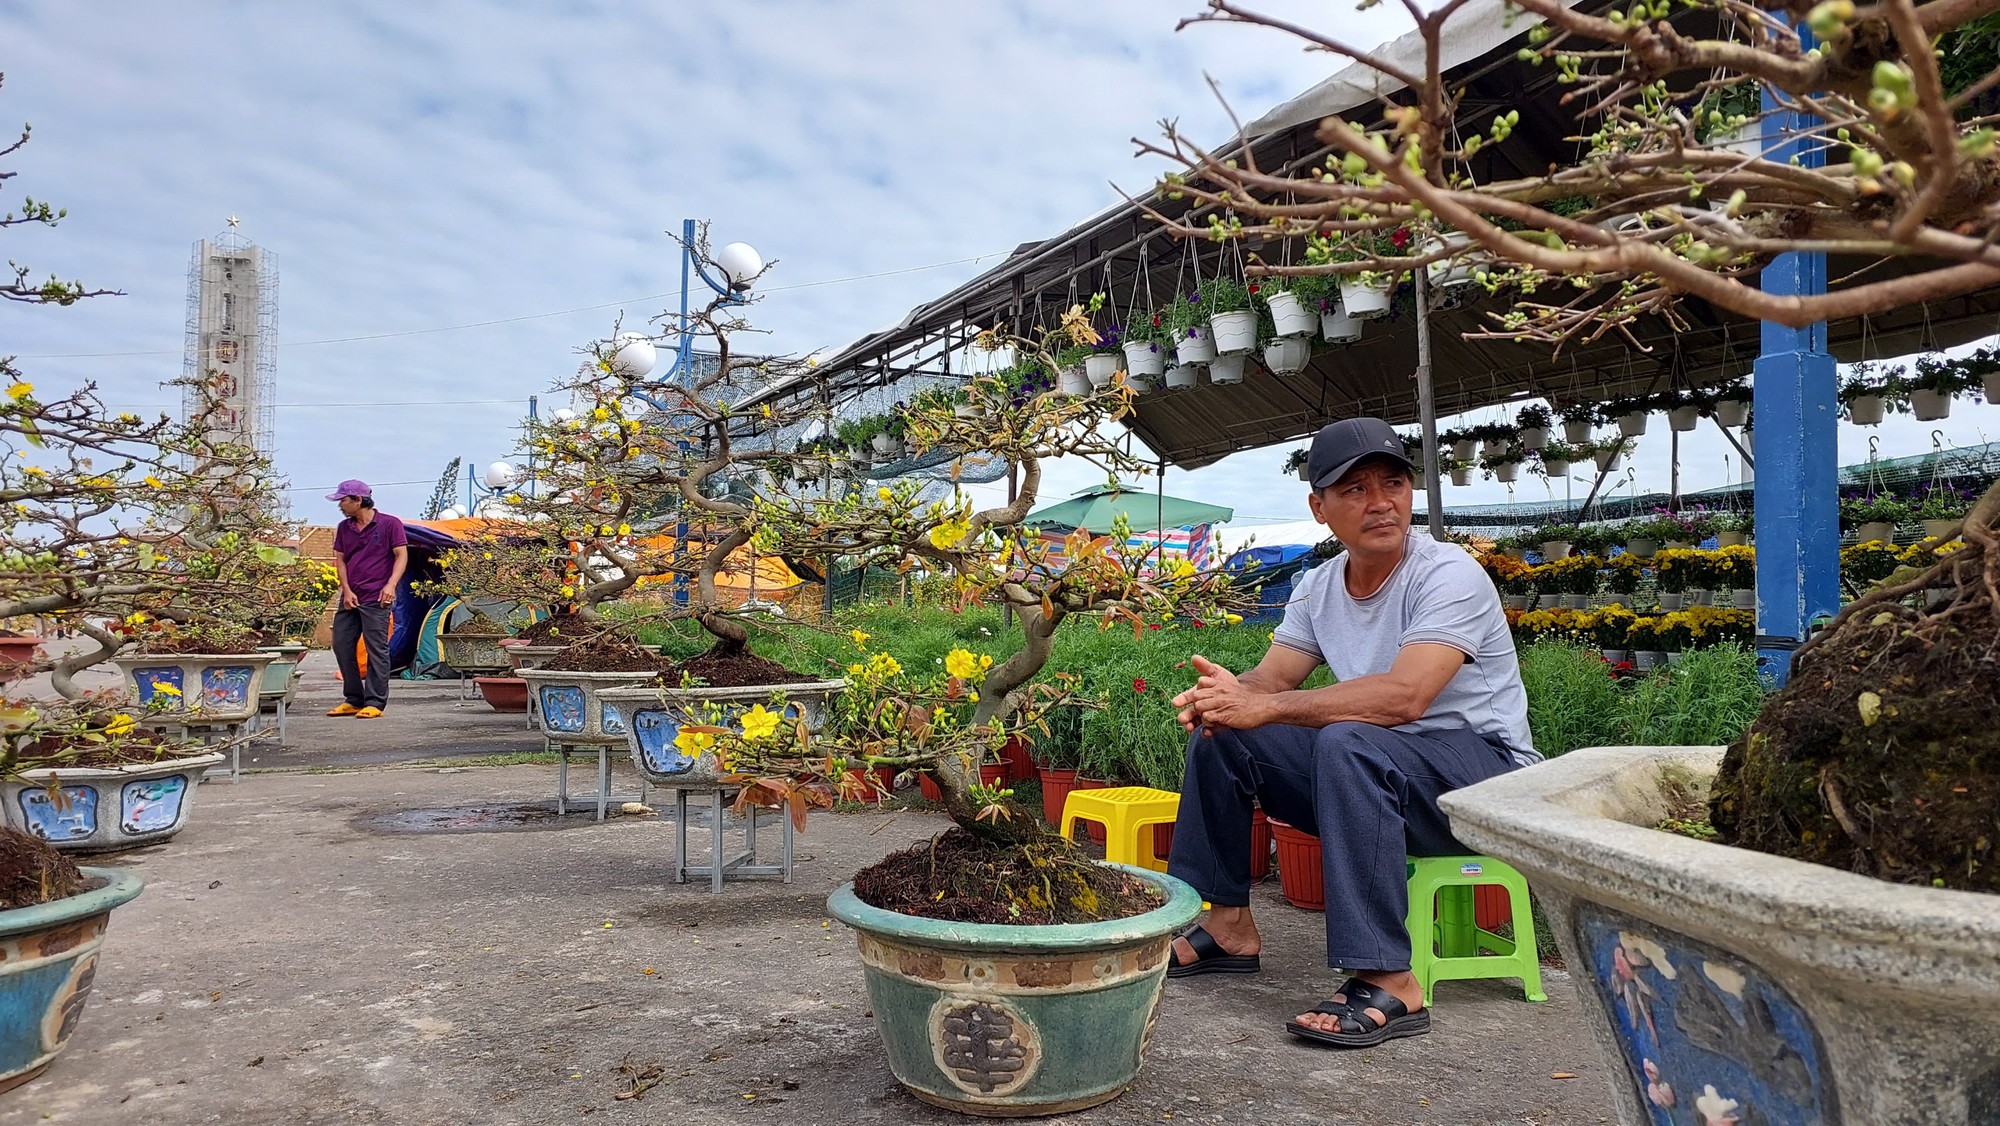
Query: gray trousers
{"points": [[1368, 793], [367, 622]]}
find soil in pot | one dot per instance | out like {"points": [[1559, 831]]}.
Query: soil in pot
{"points": [[610, 653], [958, 877], [561, 629], [738, 670], [479, 625], [33, 872], [1878, 755]]}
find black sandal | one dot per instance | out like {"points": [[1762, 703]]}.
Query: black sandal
{"points": [[1211, 958], [1357, 1028]]}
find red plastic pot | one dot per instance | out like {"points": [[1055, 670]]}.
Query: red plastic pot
{"points": [[1056, 785], [1491, 907], [1298, 867], [15, 654], [990, 774], [503, 693], [1020, 763], [1260, 846], [862, 790]]}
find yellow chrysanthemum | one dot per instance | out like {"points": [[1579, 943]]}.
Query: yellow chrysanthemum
{"points": [[759, 723]]}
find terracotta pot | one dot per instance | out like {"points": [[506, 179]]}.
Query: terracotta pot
{"points": [[1056, 785], [1299, 867], [15, 653], [503, 693]]}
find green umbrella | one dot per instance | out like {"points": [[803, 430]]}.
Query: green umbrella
{"points": [[1096, 507]]}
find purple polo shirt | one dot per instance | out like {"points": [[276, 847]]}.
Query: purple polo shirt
{"points": [[370, 553]]}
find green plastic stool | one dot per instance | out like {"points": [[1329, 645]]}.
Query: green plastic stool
{"points": [[1445, 938]]}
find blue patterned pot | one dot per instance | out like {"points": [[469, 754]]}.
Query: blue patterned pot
{"points": [[567, 708], [1006, 1021], [652, 718], [104, 809], [48, 959], [196, 688]]}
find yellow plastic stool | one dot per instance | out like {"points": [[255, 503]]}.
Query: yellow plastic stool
{"points": [[1126, 812], [1445, 938]]}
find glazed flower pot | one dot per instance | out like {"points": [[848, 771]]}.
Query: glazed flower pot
{"points": [[503, 693], [1938, 529], [48, 960], [1235, 331], [1100, 369], [1299, 873], [1145, 359], [1534, 438], [1930, 406], [1632, 424], [1180, 377], [1875, 530], [104, 809], [530, 656], [1733, 412], [16, 653], [1683, 419], [1009, 1021], [651, 717], [1195, 345], [196, 688], [1291, 317], [1576, 433], [1336, 327], [1750, 984], [1867, 410], [474, 653], [1226, 369], [1642, 547], [568, 707], [1072, 381], [1287, 355], [1364, 301]]}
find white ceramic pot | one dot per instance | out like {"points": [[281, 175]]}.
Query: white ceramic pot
{"points": [[1632, 424], [1226, 369], [1683, 419], [1555, 467], [1287, 355], [1461, 476], [1364, 302], [1100, 369], [103, 809], [1930, 406], [1337, 327], [1875, 530], [1607, 460], [1672, 599], [1235, 331], [1145, 359], [1196, 345], [1555, 549], [1732, 412], [1534, 438], [1867, 410], [1463, 449], [1506, 472], [1072, 381], [1291, 316], [1576, 433], [1182, 376], [1763, 977], [1731, 539]]}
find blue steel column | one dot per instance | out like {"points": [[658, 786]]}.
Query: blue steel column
{"points": [[1797, 483]]}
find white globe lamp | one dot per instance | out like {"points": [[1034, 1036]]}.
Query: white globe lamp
{"points": [[563, 416], [452, 512], [634, 356], [499, 475], [740, 263]]}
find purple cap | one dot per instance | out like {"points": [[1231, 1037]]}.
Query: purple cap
{"points": [[351, 488]]}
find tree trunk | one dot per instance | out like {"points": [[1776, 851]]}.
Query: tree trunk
{"points": [[997, 700], [62, 676]]}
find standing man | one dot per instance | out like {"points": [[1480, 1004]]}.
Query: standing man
{"points": [[370, 550], [1427, 698]]}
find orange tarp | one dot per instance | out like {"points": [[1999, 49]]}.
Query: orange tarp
{"points": [[773, 579]]}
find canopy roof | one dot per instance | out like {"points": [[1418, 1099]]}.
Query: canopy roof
{"points": [[1125, 253], [1096, 507]]}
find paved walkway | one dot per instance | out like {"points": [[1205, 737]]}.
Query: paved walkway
{"points": [[290, 962]]}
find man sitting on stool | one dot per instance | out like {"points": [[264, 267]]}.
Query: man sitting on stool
{"points": [[1427, 698]]}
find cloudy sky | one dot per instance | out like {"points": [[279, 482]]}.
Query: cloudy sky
{"points": [[460, 193]]}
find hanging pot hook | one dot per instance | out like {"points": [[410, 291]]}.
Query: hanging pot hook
{"points": [[1874, 442], [1937, 441]]}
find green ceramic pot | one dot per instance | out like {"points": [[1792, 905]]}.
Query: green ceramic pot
{"points": [[48, 959], [1007, 1021]]}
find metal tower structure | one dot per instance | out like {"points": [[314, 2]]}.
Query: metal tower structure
{"points": [[232, 331]]}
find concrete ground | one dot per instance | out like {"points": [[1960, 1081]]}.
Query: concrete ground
{"points": [[294, 961]]}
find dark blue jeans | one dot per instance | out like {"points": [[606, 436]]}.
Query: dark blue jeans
{"points": [[367, 623], [1368, 793]]}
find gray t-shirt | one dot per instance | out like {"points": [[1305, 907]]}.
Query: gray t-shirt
{"points": [[1437, 594]]}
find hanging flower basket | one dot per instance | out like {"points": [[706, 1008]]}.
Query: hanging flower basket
{"points": [[1449, 273], [1180, 377], [1291, 316], [1732, 412], [1463, 449], [1534, 438], [1555, 467], [1364, 301], [1100, 369], [1287, 355], [1461, 476], [1072, 381], [1684, 419], [1507, 472], [1930, 406], [1235, 331], [1226, 369], [1196, 346], [1576, 433], [1608, 460], [1145, 359], [1867, 410], [1632, 424], [1990, 387], [1337, 327]]}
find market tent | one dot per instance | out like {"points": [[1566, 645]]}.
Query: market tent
{"points": [[1303, 532], [1096, 507]]}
